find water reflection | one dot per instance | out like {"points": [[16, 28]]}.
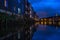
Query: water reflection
{"points": [[32, 32], [46, 32]]}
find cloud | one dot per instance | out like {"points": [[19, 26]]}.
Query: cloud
{"points": [[42, 5]]}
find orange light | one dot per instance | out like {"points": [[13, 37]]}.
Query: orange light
{"points": [[45, 19], [37, 22], [41, 22], [50, 22], [59, 23], [45, 22]]}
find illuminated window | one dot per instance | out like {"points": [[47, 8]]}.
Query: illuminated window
{"points": [[37, 22], [45, 22], [41, 22], [50, 22], [30, 16], [18, 10], [59, 18], [30, 12], [5, 3]]}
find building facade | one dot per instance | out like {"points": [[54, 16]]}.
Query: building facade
{"points": [[13, 6]]}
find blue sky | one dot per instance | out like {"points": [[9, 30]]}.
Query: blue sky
{"points": [[46, 6]]}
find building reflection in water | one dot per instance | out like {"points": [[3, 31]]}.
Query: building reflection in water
{"points": [[46, 32], [32, 32]]}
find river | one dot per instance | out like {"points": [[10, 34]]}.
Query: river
{"points": [[46, 32]]}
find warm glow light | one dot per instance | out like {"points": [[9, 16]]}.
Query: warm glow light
{"points": [[41, 22], [59, 23], [37, 22], [36, 19], [45, 22], [5, 3], [50, 22], [30, 12], [19, 10], [30, 16]]}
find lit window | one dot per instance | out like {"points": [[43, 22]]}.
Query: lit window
{"points": [[50, 22], [37, 22], [59, 23], [30, 16], [18, 10], [45, 22], [5, 3], [41, 22], [30, 12]]}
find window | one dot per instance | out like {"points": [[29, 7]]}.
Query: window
{"points": [[41, 22], [5, 3], [59, 23], [45, 22], [50, 22], [18, 10]]}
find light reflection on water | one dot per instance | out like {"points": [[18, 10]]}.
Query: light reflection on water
{"points": [[45, 32]]}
